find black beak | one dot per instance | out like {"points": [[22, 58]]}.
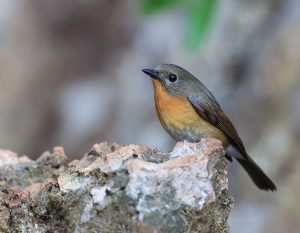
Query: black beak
{"points": [[152, 73]]}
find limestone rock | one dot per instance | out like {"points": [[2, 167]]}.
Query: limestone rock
{"points": [[116, 188]]}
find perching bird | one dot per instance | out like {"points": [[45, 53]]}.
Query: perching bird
{"points": [[188, 111]]}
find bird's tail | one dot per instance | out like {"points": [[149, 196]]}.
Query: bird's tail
{"points": [[261, 180]]}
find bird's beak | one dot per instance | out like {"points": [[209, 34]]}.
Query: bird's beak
{"points": [[152, 73]]}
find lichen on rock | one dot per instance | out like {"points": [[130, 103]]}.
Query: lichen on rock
{"points": [[116, 188]]}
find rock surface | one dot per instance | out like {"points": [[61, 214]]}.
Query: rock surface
{"points": [[116, 188]]}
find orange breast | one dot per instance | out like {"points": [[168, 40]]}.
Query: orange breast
{"points": [[180, 119], [173, 110]]}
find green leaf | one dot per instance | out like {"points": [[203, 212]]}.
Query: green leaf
{"points": [[199, 21], [153, 6]]}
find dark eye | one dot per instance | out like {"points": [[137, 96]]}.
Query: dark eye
{"points": [[172, 78]]}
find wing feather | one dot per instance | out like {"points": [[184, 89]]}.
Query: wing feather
{"points": [[210, 110]]}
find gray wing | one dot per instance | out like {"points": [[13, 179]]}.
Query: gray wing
{"points": [[209, 109]]}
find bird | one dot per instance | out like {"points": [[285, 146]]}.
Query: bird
{"points": [[187, 110]]}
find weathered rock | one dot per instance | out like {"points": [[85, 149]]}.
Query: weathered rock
{"points": [[116, 188]]}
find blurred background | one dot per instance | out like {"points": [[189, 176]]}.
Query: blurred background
{"points": [[70, 75]]}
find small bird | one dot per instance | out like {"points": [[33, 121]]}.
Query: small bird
{"points": [[188, 111]]}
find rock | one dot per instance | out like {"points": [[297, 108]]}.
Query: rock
{"points": [[116, 188]]}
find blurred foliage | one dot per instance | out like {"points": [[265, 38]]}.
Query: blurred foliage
{"points": [[200, 14], [153, 6]]}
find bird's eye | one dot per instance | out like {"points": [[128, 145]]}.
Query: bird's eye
{"points": [[172, 78]]}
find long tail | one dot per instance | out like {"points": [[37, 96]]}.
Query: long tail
{"points": [[261, 180]]}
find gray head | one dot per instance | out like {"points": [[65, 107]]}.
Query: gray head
{"points": [[176, 80]]}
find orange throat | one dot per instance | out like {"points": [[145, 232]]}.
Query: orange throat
{"points": [[180, 119], [173, 111]]}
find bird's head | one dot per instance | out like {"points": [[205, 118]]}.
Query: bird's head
{"points": [[176, 80]]}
